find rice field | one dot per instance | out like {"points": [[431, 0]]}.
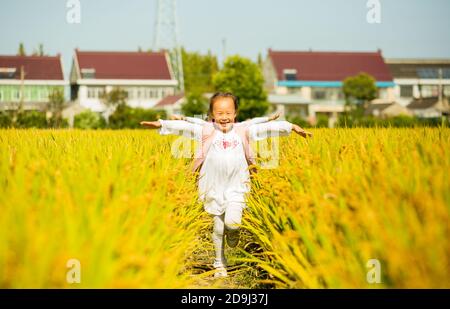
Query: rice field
{"points": [[121, 206]]}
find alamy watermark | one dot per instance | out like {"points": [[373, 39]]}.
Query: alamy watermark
{"points": [[374, 13], [73, 274], [73, 14], [374, 274]]}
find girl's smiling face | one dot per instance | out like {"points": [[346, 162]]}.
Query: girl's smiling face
{"points": [[224, 113]]}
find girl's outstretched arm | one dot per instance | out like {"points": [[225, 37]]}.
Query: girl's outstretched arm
{"points": [[299, 130], [275, 128], [176, 127], [274, 116]]}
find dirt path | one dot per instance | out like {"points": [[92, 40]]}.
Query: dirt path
{"points": [[200, 267]]}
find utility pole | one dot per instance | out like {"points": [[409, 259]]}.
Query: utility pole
{"points": [[442, 100], [17, 108], [22, 82], [166, 37]]}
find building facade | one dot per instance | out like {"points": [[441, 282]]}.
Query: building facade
{"points": [[147, 77], [309, 83], [421, 84], [27, 81]]}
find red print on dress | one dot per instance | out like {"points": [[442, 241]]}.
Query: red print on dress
{"points": [[224, 144]]}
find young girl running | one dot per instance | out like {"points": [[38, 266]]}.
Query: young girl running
{"points": [[222, 161]]}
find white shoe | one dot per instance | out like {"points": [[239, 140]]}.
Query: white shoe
{"points": [[220, 272]]}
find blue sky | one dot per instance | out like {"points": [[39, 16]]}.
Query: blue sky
{"points": [[408, 28]]}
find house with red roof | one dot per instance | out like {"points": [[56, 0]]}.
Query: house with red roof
{"points": [[147, 77], [171, 104], [29, 80], [308, 83]]}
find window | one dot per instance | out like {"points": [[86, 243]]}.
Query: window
{"points": [[15, 93], [95, 92], [90, 93], [406, 91], [294, 90], [433, 73], [319, 94], [100, 92], [42, 94], [27, 94], [430, 91], [447, 91], [130, 93], [290, 74], [148, 93], [430, 73], [88, 73], [7, 73]]}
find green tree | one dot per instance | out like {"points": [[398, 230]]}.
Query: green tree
{"points": [[359, 90], [39, 51], [198, 71], [127, 117], [244, 79], [31, 119], [116, 98], [56, 106], [5, 120], [195, 105], [260, 61], [116, 101], [21, 51], [88, 120]]}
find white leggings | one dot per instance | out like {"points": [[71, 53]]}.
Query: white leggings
{"points": [[230, 220]]}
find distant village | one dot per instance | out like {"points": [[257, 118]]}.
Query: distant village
{"points": [[305, 84]]}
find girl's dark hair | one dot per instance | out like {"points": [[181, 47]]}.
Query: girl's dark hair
{"points": [[219, 95]]}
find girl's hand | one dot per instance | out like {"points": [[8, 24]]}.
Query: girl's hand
{"points": [[300, 131], [177, 117], [273, 117], [151, 124]]}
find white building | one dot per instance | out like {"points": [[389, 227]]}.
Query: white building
{"points": [[307, 83], [29, 80], [147, 77], [422, 85], [419, 78]]}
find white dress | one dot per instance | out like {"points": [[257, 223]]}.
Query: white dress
{"points": [[224, 178]]}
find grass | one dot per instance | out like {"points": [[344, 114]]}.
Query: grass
{"points": [[119, 203]]}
